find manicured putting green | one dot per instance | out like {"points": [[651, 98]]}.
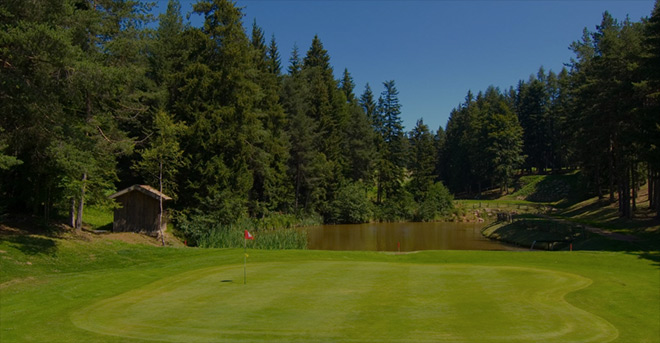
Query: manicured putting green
{"points": [[352, 301]]}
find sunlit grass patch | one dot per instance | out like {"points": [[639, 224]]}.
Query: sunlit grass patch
{"points": [[98, 217], [107, 291], [366, 301]]}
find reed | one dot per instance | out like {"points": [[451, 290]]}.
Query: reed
{"points": [[270, 234]]}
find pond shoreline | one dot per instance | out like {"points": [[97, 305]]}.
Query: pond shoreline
{"points": [[401, 237]]}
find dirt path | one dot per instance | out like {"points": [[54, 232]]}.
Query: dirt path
{"points": [[605, 233]]}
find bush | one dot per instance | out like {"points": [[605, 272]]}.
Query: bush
{"points": [[400, 207], [436, 202], [350, 206]]}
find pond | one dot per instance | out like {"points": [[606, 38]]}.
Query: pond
{"points": [[401, 237]]}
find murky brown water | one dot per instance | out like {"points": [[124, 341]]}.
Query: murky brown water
{"points": [[401, 236]]}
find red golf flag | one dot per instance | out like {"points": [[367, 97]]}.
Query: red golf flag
{"points": [[248, 235]]}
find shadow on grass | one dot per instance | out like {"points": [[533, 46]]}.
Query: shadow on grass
{"points": [[601, 213], [527, 231], [106, 227], [553, 188], [651, 256], [30, 234], [31, 245], [552, 235]]}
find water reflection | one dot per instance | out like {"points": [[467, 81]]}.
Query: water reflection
{"points": [[401, 236]]}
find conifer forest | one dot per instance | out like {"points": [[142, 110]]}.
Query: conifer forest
{"points": [[96, 96]]}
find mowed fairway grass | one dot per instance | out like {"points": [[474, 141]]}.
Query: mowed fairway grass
{"points": [[109, 291]]}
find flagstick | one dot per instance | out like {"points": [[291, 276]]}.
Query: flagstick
{"points": [[244, 260]]}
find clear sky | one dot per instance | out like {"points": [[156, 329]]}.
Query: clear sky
{"points": [[434, 50]]}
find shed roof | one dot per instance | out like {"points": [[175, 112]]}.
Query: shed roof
{"points": [[150, 191]]}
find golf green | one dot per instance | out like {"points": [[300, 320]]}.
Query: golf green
{"points": [[311, 301]]}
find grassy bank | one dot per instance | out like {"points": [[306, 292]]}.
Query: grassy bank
{"points": [[556, 208], [89, 289]]}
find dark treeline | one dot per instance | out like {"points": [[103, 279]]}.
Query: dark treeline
{"points": [[95, 99], [601, 114]]}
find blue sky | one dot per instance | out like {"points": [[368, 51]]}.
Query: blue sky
{"points": [[434, 50]]}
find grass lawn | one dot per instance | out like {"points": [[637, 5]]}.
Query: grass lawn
{"points": [[98, 217], [110, 291]]}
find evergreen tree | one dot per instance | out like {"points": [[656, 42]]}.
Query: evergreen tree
{"points": [[368, 103], [439, 141], [391, 161], [532, 103], [69, 104], [649, 87], [390, 110], [224, 144], [422, 161], [160, 162], [166, 46], [503, 142], [359, 146], [347, 86], [258, 43], [329, 107], [6, 161], [317, 56], [606, 70], [295, 64], [306, 162], [459, 134], [274, 64]]}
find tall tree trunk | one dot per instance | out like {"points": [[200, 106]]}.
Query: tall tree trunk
{"points": [[81, 203], [649, 186], [620, 199], [656, 192], [611, 172], [47, 206], [379, 187], [629, 193], [624, 193], [599, 190], [160, 203], [633, 176], [298, 177], [72, 213]]}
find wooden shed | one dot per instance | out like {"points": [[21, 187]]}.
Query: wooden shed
{"points": [[138, 211]]}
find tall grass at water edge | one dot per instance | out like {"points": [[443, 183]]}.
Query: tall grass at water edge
{"points": [[271, 233]]}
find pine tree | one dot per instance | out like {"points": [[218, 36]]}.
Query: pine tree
{"points": [[274, 64], [160, 162], [305, 160], [295, 64], [650, 90], [606, 70], [165, 47], [218, 96], [390, 111], [90, 80], [532, 109], [359, 146], [503, 143], [317, 56], [270, 191], [368, 103], [347, 86], [440, 141], [422, 161], [258, 43], [391, 150]]}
